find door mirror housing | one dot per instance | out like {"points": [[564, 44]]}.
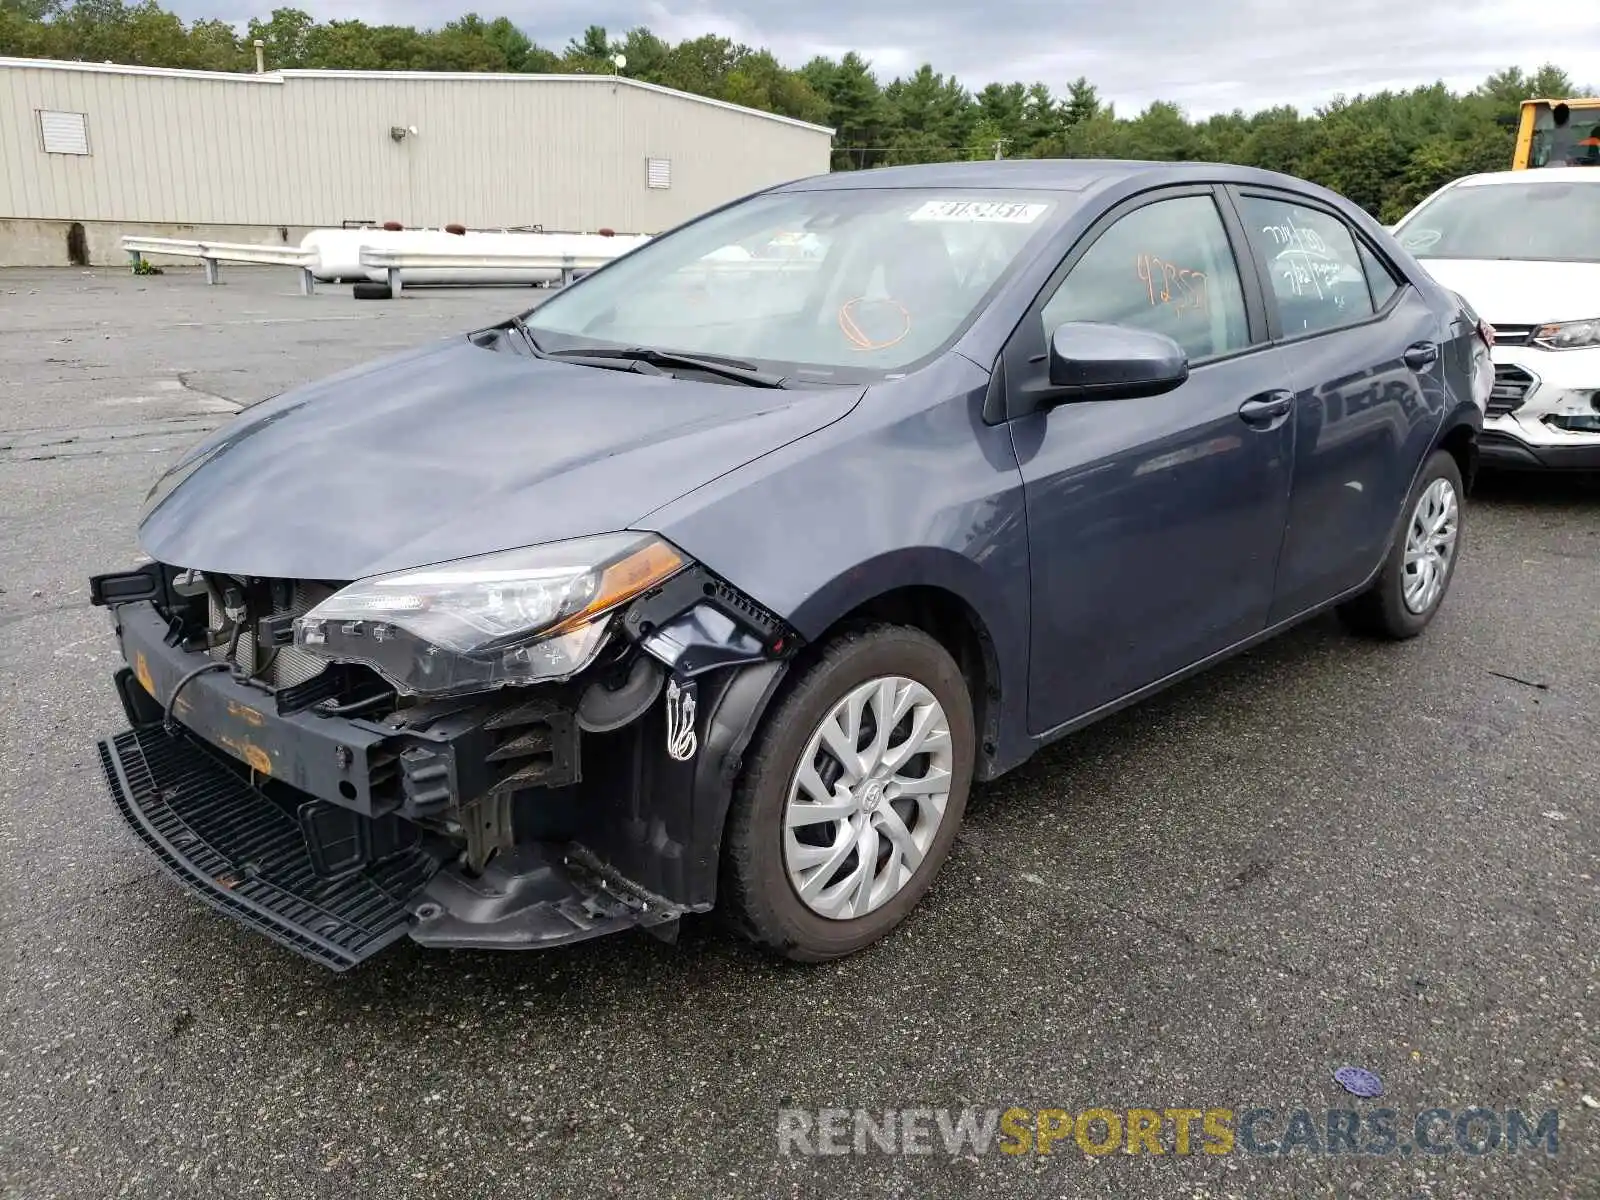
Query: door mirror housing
{"points": [[1094, 361]]}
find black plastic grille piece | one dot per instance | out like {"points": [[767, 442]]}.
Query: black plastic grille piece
{"points": [[1511, 384], [245, 855]]}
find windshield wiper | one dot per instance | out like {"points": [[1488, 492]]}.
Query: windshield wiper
{"points": [[727, 368]]}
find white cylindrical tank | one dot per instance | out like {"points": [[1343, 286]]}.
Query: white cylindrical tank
{"points": [[339, 252]]}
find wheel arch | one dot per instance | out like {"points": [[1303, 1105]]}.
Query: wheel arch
{"points": [[1459, 436], [951, 620], [964, 607], [757, 885], [754, 692]]}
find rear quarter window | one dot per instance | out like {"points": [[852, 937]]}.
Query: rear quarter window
{"points": [[1381, 280]]}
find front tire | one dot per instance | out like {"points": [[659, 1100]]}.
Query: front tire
{"points": [[1417, 574], [852, 796]]}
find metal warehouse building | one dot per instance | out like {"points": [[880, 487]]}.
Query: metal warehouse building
{"points": [[265, 157]]}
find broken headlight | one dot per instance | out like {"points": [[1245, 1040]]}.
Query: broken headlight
{"points": [[512, 617]]}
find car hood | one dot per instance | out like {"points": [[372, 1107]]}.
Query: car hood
{"points": [[1522, 293], [454, 450]]}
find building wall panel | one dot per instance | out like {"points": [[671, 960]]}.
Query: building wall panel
{"points": [[314, 148]]}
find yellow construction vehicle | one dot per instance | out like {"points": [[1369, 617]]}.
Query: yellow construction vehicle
{"points": [[1558, 133]]}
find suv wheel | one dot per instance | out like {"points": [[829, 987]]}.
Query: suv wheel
{"points": [[852, 795], [1413, 582]]}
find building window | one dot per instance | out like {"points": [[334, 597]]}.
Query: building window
{"points": [[64, 132], [658, 172]]}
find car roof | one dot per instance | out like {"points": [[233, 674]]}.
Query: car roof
{"points": [[1044, 174], [1535, 175]]}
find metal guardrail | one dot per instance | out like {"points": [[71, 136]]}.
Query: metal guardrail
{"points": [[570, 266], [211, 254], [393, 262]]}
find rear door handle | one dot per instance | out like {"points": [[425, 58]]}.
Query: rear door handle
{"points": [[1266, 408], [1422, 354]]}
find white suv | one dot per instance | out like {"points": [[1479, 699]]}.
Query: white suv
{"points": [[1523, 248]]}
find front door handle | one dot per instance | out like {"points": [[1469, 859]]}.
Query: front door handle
{"points": [[1266, 408], [1422, 354]]}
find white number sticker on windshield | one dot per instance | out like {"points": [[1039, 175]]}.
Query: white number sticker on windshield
{"points": [[997, 211]]}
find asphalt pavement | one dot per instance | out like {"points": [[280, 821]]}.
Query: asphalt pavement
{"points": [[1327, 852]]}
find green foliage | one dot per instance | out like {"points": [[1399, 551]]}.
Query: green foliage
{"points": [[1385, 151]]}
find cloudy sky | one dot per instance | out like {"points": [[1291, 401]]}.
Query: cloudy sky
{"points": [[1207, 55]]}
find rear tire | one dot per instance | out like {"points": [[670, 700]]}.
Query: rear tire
{"points": [[1416, 576], [372, 290], [787, 827]]}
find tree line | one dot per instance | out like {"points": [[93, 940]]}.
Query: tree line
{"points": [[1385, 151]]}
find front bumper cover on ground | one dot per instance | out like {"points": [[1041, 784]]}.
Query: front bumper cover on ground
{"points": [[242, 852]]}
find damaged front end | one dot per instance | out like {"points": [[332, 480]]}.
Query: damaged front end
{"points": [[517, 750]]}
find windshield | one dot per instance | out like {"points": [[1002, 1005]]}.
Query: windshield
{"points": [[1573, 143], [838, 286], [1557, 222]]}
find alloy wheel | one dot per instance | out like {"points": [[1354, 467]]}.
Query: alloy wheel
{"points": [[867, 798], [1430, 546]]}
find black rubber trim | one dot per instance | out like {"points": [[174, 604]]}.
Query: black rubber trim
{"points": [[1501, 450], [245, 856]]}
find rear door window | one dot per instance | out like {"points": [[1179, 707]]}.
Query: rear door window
{"points": [[1313, 265]]}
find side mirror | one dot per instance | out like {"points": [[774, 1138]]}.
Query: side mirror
{"points": [[1094, 361]]}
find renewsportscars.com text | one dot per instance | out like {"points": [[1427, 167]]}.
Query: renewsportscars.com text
{"points": [[1176, 1132]]}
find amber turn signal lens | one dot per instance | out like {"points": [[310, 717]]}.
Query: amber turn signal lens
{"points": [[649, 565]]}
